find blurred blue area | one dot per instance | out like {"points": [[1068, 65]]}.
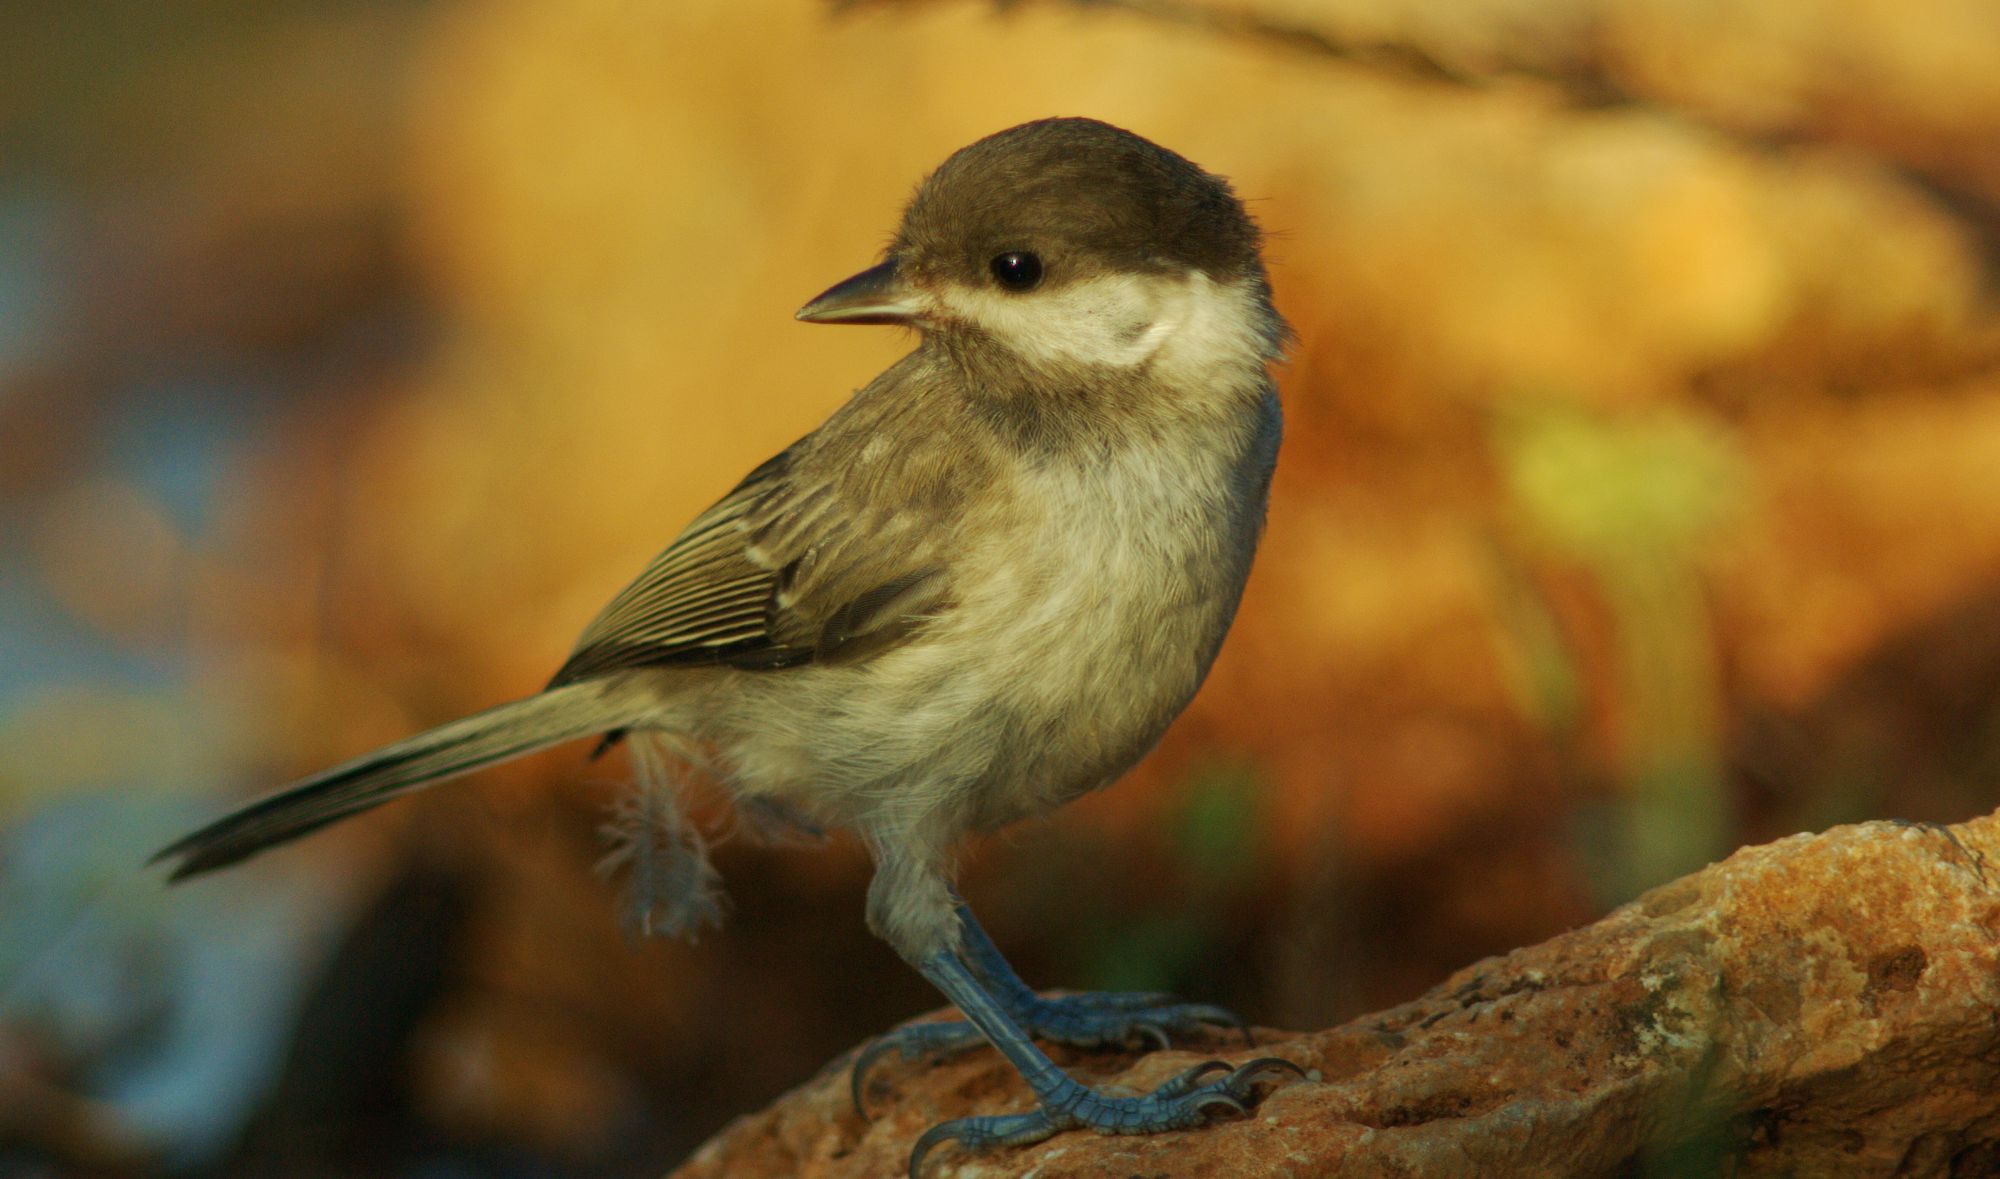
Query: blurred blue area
{"points": [[174, 442], [42, 646], [171, 438], [33, 297], [172, 1009], [162, 1015], [168, 291]]}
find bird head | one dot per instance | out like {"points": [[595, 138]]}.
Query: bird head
{"points": [[1072, 246]]}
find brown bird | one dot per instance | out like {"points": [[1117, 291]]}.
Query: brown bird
{"points": [[983, 587]]}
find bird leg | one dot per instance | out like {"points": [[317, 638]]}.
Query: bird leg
{"points": [[1064, 1103], [1100, 1019]]}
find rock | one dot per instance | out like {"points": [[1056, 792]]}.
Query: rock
{"points": [[1822, 1005]]}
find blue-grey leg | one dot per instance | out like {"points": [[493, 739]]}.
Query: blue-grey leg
{"points": [[1092, 1020], [1065, 1103]]}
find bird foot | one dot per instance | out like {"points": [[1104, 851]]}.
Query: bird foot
{"points": [[1182, 1102], [1099, 1019]]}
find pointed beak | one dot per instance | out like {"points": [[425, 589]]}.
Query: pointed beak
{"points": [[876, 295]]}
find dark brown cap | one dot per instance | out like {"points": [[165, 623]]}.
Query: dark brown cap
{"points": [[1087, 197]]}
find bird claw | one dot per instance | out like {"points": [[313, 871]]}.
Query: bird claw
{"points": [[1091, 1020], [916, 1040], [1186, 1082], [1117, 1019], [1182, 1102]]}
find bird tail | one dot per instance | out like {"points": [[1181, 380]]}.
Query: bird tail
{"points": [[497, 734]]}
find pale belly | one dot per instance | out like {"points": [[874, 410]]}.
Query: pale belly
{"points": [[1065, 657]]}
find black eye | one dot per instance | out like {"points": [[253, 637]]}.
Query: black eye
{"points": [[1017, 270]]}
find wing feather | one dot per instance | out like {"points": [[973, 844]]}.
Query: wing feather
{"points": [[777, 574]]}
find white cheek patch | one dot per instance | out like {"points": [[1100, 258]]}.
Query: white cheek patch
{"points": [[1183, 322], [1117, 320], [1223, 332]]}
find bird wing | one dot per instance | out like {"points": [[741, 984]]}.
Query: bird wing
{"points": [[779, 573]]}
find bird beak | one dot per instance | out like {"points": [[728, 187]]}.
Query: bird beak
{"points": [[876, 295]]}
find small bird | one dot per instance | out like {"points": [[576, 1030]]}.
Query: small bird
{"points": [[983, 587]]}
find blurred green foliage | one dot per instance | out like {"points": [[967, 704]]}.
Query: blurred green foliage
{"points": [[1635, 500], [1214, 831]]}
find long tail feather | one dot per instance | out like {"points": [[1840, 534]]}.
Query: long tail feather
{"points": [[508, 731]]}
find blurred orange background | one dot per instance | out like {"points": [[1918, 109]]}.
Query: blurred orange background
{"points": [[1640, 499]]}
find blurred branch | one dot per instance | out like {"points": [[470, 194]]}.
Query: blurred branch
{"points": [[1594, 54], [1820, 1005], [1408, 55]]}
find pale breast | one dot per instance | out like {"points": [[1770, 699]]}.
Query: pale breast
{"points": [[1110, 627], [1087, 604]]}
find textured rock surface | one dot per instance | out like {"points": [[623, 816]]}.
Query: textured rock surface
{"points": [[1823, 1005]]}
